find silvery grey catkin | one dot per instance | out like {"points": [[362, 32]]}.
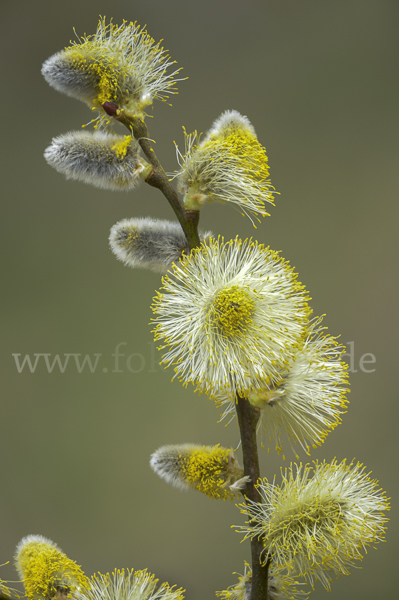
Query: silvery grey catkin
{"points": [[105, 160], [150, 243]]}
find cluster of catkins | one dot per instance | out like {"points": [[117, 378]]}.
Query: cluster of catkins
{"points": [[233, 320]]}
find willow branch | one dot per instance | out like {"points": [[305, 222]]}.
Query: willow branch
{"points": [[248, 417], [188, 219]]}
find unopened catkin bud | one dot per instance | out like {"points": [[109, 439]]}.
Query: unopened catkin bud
{"points": [[150, 243], [46, 571], [212, 470], [105, 160]]}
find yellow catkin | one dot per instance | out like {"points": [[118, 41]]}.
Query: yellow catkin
{"points": [[205, 470], [228, 165], [46, 570]]}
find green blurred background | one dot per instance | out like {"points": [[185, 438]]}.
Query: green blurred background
{"points": [[319, 81]]}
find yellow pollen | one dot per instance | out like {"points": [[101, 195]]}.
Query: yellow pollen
{"points": [[207, 472], [102, 68], [244, 147], [47, 571], [232, 309], [121, 147]]}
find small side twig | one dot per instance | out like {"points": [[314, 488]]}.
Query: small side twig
{"points": [[188, 219]]}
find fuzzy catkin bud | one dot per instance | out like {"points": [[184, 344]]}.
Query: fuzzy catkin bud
{"points": [[212, 470], [119, 64], [150, 243], [227, 165], [101, 159], [46, 571]]}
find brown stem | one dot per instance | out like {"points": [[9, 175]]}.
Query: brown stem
{"points": [[248, 417], [188, 219]]}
